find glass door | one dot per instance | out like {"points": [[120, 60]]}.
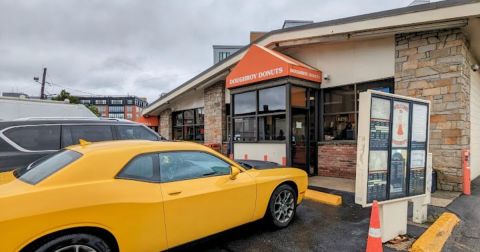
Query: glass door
{"points": [[303, 144], [300, 139]]}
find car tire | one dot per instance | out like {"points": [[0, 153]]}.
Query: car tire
{"points": [[75, 243], [282, 206]]}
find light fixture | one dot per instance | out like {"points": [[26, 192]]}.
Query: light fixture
{"points": [[475, 67]]}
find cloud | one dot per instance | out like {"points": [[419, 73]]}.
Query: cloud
{"points": [[140, 48]]}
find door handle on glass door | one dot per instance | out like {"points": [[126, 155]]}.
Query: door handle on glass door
{"points": [[174, 193]]}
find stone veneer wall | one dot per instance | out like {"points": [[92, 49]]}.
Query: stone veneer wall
{"points": [[215, 113], [337, 159], [434, 65], [165, 127]]}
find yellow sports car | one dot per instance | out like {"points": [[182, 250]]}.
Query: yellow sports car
{"points": [[138, 196]]}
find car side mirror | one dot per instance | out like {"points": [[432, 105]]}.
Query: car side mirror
{"points": [[235, 172]]}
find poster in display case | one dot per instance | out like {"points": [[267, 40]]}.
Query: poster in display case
{"points": [[392, 147]]}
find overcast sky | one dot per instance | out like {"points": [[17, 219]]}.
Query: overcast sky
{"points": [[139, 48]]}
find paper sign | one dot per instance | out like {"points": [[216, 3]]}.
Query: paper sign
{"points": [[417, 159], [298, 125], [419, 123], [380, 109]]}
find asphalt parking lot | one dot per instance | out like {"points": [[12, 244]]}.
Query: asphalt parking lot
{"points": [[317, 227]]}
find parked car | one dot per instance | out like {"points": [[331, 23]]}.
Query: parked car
{"points": [[25, 140], [138, 195]]}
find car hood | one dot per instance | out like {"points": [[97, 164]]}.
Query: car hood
{"points": [[6, 177]]}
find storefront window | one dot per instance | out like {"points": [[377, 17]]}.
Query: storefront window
{"points": [[272, 128], [188, 125], [268, 115], [245, 129], [341, 108], [199, 116], [245, 103], [271, 100]]}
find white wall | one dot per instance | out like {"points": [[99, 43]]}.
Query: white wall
{"points": [[189, 100], [475, 125], [256, 151], [350, 61]]}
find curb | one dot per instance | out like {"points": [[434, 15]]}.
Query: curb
{"points": [[437, 234], [324, 198]]}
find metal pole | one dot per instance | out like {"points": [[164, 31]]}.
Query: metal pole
{"points": [[42, 91]]}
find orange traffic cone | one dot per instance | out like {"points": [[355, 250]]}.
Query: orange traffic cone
{"points": [[374, 242]]}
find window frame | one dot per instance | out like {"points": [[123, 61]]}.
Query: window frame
{"points": [[156, 169], [386, 82], [118, 134], [156, 164], [195, 125], [22, 149], [198, 151], [257, 114]]}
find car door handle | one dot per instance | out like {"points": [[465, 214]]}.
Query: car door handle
{"points": [[174, 193]]}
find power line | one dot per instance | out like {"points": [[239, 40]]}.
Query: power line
{"points": [[67, 88]]}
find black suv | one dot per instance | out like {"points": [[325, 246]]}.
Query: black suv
{"points": [[26, 140]]}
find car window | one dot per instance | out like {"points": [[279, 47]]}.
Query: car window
{"points": [[46, 166], [141, 168], [35, 138], [190, 165], [92, 133], [135, 132]]}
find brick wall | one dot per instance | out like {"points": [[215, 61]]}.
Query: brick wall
{"points": [[165, 127], [434, 66], [337, 159], [215, 113]]}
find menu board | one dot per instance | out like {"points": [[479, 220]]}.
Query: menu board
{"points": [[398, 139], [379, 143]]}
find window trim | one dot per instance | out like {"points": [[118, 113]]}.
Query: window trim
{"points": [[20, 148]]}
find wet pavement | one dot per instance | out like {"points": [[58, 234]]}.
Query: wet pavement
{"points": [[317, 227], [466, 236]]}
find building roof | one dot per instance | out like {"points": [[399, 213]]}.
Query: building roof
{"points": [[383, 22], [15, 108]]}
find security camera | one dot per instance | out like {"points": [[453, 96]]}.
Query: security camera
{"points": [[326, 77], [475, 67]]}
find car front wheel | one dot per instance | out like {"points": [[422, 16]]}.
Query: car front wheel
{"points": [[282, 206], [75, 243]]}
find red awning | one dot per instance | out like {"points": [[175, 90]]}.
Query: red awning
{"points": [[260, 63], [151, 121]]}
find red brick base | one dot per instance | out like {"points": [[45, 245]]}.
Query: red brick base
{"points": [[337, 159]]}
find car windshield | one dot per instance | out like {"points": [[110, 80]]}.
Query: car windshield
{"points": [[46, 166]]}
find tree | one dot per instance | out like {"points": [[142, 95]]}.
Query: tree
{"points": [[93, 108], [66, 95], [74, 100]]}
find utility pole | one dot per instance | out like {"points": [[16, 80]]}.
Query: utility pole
{"points": [[42, 92]]}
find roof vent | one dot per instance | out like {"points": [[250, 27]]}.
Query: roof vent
{"points": [[418, 2]]}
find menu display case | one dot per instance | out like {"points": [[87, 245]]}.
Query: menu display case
{"points": [[392, 147]]}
